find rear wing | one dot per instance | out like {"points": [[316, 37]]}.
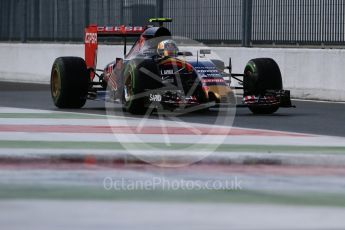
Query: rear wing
{"points": [[93, 32]]}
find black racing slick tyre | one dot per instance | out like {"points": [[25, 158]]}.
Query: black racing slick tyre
{"points": [[260, 75], [132, 101], [69, 82]]}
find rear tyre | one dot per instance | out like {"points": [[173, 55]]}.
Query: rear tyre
{"points": [[260, 75], [69, 82]]}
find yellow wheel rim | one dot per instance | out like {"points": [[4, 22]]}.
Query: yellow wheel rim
{"points": [[128, 88], [55, 84]]}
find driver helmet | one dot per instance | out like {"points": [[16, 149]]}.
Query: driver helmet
{"points": [[167, 48]]}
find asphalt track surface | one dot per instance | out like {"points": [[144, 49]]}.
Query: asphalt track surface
{"points": [[320, 118], [73, 196]]}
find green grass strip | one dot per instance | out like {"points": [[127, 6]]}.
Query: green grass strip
{"points": [[72, 145], [222, 196]]}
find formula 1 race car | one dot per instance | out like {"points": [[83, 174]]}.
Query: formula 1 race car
{"points": [[155, 74]]}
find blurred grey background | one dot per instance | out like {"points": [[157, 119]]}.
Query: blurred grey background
{"points": [[235, 22]]}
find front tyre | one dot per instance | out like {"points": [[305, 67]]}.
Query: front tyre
{"points": [[132, 101], [69, 82], [260, 75]]}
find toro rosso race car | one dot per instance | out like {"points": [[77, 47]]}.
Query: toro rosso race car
{"points": [[155, 74]]}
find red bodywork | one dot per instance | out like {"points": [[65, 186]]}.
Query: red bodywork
{"points": [[93, 32]]}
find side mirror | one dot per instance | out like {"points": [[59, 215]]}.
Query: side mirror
{"points": [[204, 52]]}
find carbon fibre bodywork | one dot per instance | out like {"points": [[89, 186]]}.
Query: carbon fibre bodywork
{"points": [[168, 82]]}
